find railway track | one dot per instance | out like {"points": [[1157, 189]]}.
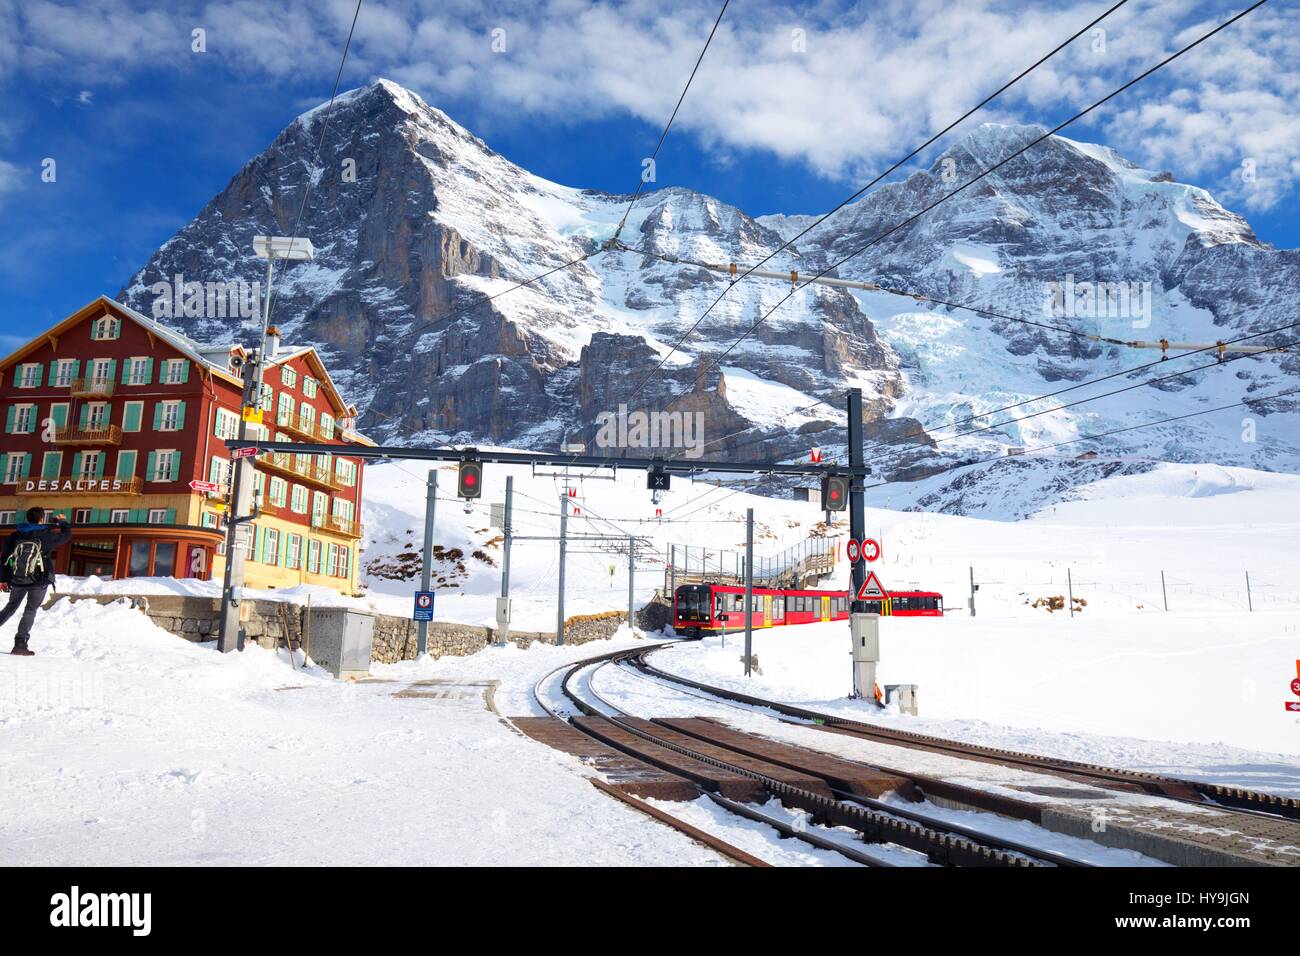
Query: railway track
{"points": [[700, 755], [1114, 778]]}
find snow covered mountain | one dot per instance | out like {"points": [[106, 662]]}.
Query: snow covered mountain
{"points": [[417, 223]]}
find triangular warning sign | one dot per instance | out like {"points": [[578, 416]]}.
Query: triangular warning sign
{"points": [[871, 589]]}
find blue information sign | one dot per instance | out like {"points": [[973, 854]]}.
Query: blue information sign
{"points": [[423, 606]]}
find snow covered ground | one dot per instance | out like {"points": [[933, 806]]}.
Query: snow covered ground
{"points": [[125, 744]]}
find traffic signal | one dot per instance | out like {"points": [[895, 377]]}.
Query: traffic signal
{"points": [[835, 492], [469, 478]]}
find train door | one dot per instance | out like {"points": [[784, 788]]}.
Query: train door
{"points": [[826, 608], [767, 610]]}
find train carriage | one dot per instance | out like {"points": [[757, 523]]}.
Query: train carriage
{"points": [[710, 608]]}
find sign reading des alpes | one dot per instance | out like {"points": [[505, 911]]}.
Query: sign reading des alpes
{"points": [[62, 485]]}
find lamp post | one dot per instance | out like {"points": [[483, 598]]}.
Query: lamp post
{"points": [[241, 509]]}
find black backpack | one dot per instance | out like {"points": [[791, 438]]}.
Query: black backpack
{"points": [[27, 562]]}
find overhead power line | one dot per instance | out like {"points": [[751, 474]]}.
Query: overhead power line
{"points": [[714, 361], [892, 169]]}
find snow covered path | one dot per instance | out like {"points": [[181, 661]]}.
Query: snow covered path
{"points": [[125, 745]]}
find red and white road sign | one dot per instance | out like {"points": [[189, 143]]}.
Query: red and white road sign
{"points": [[243, 452], [815, 456], [1295, 687], [872, 589], [1293, 705], [870, 549], [207, 486]]}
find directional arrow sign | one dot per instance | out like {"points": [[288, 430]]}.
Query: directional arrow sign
{"points": [[872, 589], [1293, 705], [248, 452], [208, 486]]}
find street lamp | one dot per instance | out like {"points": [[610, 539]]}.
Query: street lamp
{"points": [[241, 510]]}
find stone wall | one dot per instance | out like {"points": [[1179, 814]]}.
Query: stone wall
{"points": [[276, 623]]}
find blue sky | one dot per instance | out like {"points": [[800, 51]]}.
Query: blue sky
{"points": [[794, 106]]}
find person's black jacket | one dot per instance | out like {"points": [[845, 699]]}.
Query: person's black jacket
{"points": [[51, 536]]}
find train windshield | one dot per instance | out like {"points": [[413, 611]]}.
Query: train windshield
{"points": [[693, 601]]}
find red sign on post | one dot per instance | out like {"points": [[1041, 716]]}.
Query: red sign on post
{"points": [[248, 452], [207, 486], [872, 589], [1293, 705]]}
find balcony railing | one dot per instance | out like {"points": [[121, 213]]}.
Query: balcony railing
{"points": [[70, 485], [92, 387], [288, 464], [310, 430], [333, 524], [90, 435]]}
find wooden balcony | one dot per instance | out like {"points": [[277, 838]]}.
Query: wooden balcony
{"points": [[332, 524], [308, 431], [94, 435], [92, 387], [285, 464]]}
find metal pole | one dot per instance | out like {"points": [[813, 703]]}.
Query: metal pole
{"points": [[241, 488], [631, 573], [672, 574], [857, 509], [426, 565], [749, 587], [1163, 593], [1250, 605], [972, 591], [503, 627], [1069, 590], [564, 527]]}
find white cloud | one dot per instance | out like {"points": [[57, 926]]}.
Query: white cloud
{"points": [[874, 79]]}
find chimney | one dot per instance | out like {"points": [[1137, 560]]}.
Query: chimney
{"points": [[272, 342]]}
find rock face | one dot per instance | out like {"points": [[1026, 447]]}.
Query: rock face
{"points": [[422, 232]]}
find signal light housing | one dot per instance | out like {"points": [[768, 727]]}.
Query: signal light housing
{"points": [[469, 478], [835, 492]]}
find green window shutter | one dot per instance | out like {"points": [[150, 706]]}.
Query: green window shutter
{"points": [[180, 417], [138, 515], [170, 516], [157, 416], [51, 464], [84, 417], [176, 467], [76, 465], [185, 371], [148, 370], [9, 418], [151, 469], [258, 536], [54, 371], [60, 415], [40, 375], [4, 465], [112, 369], [131, 416], [126, 371], [27, 465], [126, 464], [99, 465], [76, 368]]}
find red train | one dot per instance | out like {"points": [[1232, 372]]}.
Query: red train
{"points": [[699, 608]]}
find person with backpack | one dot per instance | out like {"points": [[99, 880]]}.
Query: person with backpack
{"points": [[27, 570]]}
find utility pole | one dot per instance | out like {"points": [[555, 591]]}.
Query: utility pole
{"points": [[1069, 590], [749, 588], [972, 590], [241, 487], [503, 606], [426, 565], [1250, 604], [631, 573], [239, 513], [672, 574], [1163, 593], [564, 526], [864, 628]]}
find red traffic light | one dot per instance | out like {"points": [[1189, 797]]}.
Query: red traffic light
{"points": [[469, 479], [835, 492]]}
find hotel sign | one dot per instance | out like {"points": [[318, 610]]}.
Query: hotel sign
{"points": [[70, 486]]}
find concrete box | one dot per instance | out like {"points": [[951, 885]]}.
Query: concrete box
{"points": [[341, 640]]}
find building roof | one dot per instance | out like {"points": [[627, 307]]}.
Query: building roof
{"points": [[214, 358]]}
